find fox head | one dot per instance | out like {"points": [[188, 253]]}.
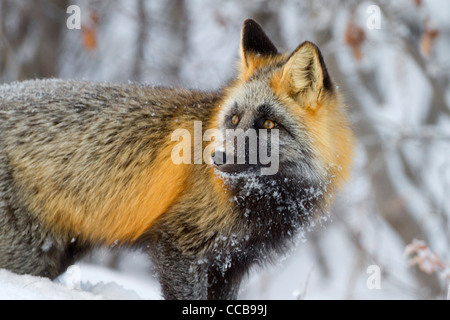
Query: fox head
{"points": [[290, 104]]}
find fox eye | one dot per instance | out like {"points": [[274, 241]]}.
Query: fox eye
{"points": [[235, 120], [269, 124]]}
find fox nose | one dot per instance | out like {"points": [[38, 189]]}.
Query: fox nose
{"points": [[219, 158]]}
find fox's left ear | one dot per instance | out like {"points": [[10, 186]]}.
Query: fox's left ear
{"points": [[255, 46], [305, 77]]}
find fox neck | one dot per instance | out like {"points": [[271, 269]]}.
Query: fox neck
{"points": [[275, 209]]}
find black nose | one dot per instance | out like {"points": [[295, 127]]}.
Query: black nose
{"points": [[219, 158]]}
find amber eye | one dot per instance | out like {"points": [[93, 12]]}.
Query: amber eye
{"points": [[269, 124], [235, 120]]}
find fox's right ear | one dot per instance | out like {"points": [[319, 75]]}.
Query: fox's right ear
{"points": [[305, 77], [255, 46]]}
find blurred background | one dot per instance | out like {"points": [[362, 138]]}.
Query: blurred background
{"points": [[388, 234]]}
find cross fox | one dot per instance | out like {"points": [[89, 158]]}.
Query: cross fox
{"points": [[88, 164]]}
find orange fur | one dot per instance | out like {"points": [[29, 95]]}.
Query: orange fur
{"points": [[326, 123], [253, 63], [130, 210]]}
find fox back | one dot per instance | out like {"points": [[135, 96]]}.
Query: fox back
{"points": [[85, 164]]}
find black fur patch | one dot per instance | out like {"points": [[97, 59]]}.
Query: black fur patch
{"points": [[275, 208], [273, 211], [327, 82], [255, 40]]}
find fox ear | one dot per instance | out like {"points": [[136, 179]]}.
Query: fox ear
{"points": [[305, 76], [254, 44]]}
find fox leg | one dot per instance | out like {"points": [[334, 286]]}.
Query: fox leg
{"points": [[28, 247], [180, 276], [223, 281], [188, 277]]}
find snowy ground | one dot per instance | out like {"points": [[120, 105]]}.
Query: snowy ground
{"points": [[95, 283], [83, 281]]}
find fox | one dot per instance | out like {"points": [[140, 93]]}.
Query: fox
{"points": [[88, 164]]}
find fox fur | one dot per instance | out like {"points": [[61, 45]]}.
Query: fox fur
{"points": [[86, 164]]}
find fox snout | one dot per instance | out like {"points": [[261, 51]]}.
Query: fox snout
{"points": [[251, 156], [238, 154], [220, 157]]}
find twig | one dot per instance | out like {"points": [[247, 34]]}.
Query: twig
{"points": [[305, 288]]}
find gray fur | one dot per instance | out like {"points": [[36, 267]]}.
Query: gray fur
{"points": [[76, 128]]}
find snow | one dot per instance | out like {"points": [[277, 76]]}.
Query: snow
{"points": [[79, 282], [15, 287]]}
